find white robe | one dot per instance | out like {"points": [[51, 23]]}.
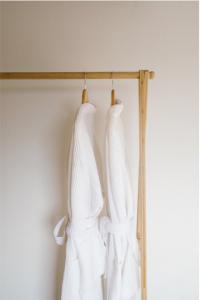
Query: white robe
{"points": [[118, 229], [85, 250]]}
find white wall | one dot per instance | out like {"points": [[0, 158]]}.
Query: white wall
{"points": [[38, 115]]}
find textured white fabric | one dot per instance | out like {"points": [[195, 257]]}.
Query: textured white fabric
{"points": [[85, 250], [118, 229]]}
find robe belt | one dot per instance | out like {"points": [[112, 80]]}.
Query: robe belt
{"points": [[75, 229], [124, 228], [117, 230], [120, 228]]}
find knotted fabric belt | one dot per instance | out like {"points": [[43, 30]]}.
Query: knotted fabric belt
{"points": [[87, 263], [124, 228], [75, 230], [121, 228]]}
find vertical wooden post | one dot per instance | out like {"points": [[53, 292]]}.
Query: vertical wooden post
{"points": [[141, 210]]}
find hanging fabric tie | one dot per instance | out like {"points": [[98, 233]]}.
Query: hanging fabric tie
{"points": [[74, 230]]}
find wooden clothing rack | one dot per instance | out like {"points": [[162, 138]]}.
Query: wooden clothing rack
{"points": [[73, 75], [143, 76]]}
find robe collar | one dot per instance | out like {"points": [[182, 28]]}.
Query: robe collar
{"points": [[116, 109]]}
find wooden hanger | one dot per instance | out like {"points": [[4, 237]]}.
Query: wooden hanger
{"points": [[85, 93], [113, 98]]}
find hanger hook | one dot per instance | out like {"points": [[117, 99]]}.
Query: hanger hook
{"points": [[85, 82]]}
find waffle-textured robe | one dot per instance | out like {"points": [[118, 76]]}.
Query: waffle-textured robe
{"points": [[85, 250], [118, 229]]}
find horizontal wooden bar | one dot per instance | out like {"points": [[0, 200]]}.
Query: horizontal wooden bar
{"points": [[72, 75]]}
